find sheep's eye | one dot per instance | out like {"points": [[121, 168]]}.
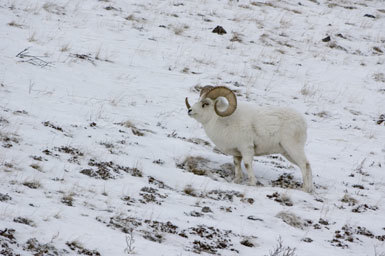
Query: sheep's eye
{"points": [[204, 104]]}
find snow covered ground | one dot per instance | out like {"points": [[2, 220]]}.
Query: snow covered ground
{"points": [[98, 155]]}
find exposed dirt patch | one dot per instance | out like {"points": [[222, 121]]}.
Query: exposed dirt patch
{"points": [[84, 57], [199, 141], [348, 234], [227, 195], [196, 165], [75, 153], [286, 180], [49, 153], [351, 201], [246, 242], [54, 8], [38, 249], [80, 250], [307, 240], [8, 140], [364, 207], [166, 227], [158, 183], [135, 130], [196, 141], [205, 238], [32, 184], [53, 126], [281, 198], [195, 214], [202, 166], [293, 220], [67, 200], [158, 162], [379, 77], [108, 170], [210, 239], [5, 197], [125, 224], [25, 221], [128, 200], [151, 195], [3, 121], [153, 237], [8, 233]]}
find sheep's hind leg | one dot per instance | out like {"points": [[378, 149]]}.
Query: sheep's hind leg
{"points": [[296, 155], [238, 169]]}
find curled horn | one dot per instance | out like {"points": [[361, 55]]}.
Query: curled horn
{"points": [[204, 91], [187, 104], [222, 91]]}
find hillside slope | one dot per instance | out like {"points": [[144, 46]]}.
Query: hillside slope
{"points": [[98, 155]]}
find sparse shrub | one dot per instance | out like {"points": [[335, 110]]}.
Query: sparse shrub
{"points": [[308, 90], [130, 240], [68, 199], [246, 242], [65, 48], [291, 219], [34, 184], [283, 199], [179, 30], [32, 37], [14, 24], [79, 249], [37, 248], [4, 197], [25, 221], [54, 8], [351, 201], [36, 167], [236, 38], [280, 250], [189, 190], [379, 77]]}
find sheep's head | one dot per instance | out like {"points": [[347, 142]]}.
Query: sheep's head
{"points": [[211, 102]]}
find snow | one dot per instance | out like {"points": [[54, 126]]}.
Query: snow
{"points": [[114, 89]]}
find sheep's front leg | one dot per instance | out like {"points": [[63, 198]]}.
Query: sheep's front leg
{"points": [[238, 169], [248, 161]]}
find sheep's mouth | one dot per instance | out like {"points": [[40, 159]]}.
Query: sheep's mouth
{"points": [[190, 113]]}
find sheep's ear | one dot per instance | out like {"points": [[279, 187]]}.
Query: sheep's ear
{"points": [[222, 104]]}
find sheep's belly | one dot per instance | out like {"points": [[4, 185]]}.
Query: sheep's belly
{"points": [[258, 151]]}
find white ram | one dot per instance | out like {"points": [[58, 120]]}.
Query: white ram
{"points": [[244, 130]]}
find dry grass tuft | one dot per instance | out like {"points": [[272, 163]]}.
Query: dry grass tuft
{"points": [[14, 24], [291, 219]]}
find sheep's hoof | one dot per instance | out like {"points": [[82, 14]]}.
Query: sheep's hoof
{"points": [[309, 190], [253, 182], [238, 180]]}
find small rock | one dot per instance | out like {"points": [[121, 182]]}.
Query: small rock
{"points": [[381, 119], [251, 217], [326, 39], [307, 240], [206, 209], [370, 16], [219, 30], [247, 243]]}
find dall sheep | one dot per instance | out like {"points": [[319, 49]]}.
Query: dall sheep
{"points": [[244, 130]]}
